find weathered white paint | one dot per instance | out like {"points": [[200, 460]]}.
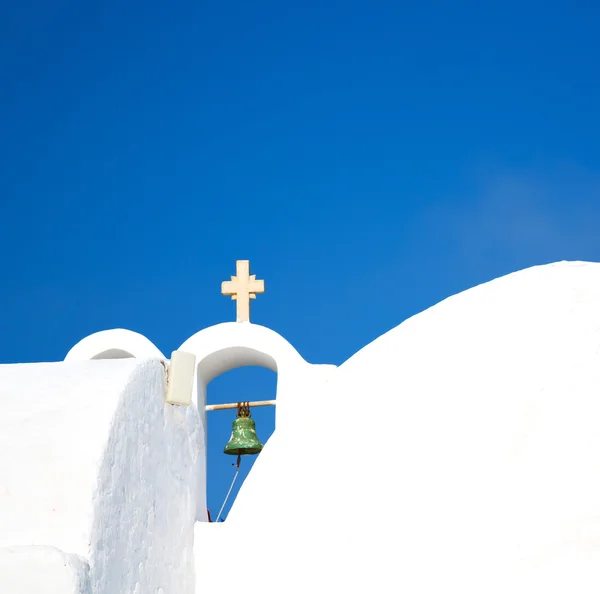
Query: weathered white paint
{"points": [[94, 463], [460, 451], [145, 500], [114, 344]]}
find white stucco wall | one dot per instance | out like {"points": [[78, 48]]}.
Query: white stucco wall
{"points": [[42, 570], [145, 500], [94, 463], [54, 426], [460, 451]]}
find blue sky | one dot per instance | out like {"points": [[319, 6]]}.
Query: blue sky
{"points": [[370, 159]]}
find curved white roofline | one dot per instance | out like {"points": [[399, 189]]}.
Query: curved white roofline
{"points": [[114, 344], [230, 345], [218, 348], [226, 346]]}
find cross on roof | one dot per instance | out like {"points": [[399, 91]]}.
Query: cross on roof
{"points": [[242, 288]]}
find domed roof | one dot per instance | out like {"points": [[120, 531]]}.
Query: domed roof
{"points": [[459, 449]]}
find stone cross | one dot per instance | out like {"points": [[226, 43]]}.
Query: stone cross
{"points": [[242, 288]]}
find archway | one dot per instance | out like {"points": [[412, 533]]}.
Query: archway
{"points": [[231, 345], [217, 349], [248, 383]]}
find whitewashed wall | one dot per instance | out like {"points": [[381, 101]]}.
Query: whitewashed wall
{"points": [[95, 464], [145, 499], [42, 570], [460, 451]]}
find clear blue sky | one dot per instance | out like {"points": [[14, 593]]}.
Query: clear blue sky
{"points": [[370, 159]]}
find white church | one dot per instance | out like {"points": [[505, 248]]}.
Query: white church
{"points": [[478, 425]]}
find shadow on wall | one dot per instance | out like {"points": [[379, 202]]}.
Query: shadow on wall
{"points": [[241, 384], [114, 354]]}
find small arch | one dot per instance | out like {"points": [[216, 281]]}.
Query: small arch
{"points": [[114, 344], [247, 383], [230, 345], [229, 358]]}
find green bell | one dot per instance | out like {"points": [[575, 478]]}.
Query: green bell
{"points": [[243, 439]]}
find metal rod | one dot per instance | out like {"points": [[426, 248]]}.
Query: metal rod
{"points": [[235, 405]]}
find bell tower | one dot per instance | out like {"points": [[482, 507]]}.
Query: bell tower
{"points": [[242, 288], [212, 352]]}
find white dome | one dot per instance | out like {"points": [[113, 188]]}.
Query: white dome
{"points": [[460, 450]]}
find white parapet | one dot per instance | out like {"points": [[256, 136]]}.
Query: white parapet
{"points": [[95, 463]]}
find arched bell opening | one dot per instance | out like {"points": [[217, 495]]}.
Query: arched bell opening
{"points": [[233, 347], [243, 384]]}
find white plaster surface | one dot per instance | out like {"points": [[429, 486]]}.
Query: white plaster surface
{"points": [[42, 570], [145, 504], [114, 344], [54, 426], [458, 452], [95, 464], [230, 345]]}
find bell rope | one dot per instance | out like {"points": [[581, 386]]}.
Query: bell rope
{"points": [[237, 465]]}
